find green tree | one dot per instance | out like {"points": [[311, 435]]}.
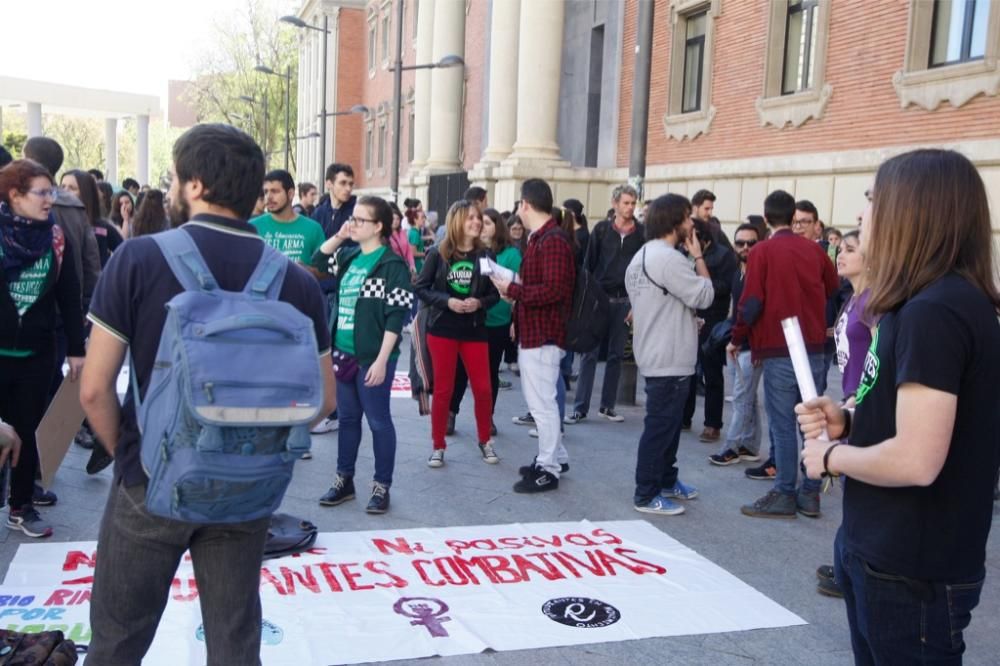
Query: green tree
{"points": [[82, 140], [14, 142], [226, 73]]}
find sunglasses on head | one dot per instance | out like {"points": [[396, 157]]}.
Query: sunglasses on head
{"points": [[744, 243]]}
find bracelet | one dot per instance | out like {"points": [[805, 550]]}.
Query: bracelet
{"points": [[826, 460], [697, 258], [847, 423]]}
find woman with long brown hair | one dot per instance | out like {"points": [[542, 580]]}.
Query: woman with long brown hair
{"points": [[151, 218], [925, 437], [459, 295]]}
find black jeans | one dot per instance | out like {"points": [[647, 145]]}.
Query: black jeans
{"points": [[715, 387], [24, 395], [656, 462], [498, 337]]}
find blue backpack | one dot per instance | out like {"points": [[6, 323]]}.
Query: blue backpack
{"points": [[235, 384]]}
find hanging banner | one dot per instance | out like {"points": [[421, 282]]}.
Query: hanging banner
{"points": [[404, 594]]}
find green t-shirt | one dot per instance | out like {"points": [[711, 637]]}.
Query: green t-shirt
{"points": [[415, 240], [25, 290], [350, 289], [298, 240], [500, 314]]}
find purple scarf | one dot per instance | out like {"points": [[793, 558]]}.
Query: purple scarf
{"points": [[23, 241]]}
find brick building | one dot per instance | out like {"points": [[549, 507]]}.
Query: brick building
{"points": [[745, 97]]}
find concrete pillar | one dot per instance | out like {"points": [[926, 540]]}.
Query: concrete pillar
{"points": [[142, 150], [34, 119], [111, 150], [447, 86], [422, 83], [539, 57], [504, 34]]}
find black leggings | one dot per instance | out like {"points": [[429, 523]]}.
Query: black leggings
{"points": [[497, 337], [24, 393]]}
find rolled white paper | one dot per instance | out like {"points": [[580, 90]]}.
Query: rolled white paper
{"points": [[800, 361]]}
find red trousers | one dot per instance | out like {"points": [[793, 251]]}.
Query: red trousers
{"points": [[476, 359]]}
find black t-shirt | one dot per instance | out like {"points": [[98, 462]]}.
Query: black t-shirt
{"points": [[133, 289], [455, 325], [946, 338], [108, 240]]}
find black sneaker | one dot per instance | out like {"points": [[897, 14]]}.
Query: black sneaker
{"points": [[84, 438], [829, 587], [765, 472], [526, 420], [451, 424], [528, 469], [42, 497], [99, 459], [824, 571], [341, 491], [610, 414], [537, 481], [29, 521], [379, 502], [728, 457], [771, 505], [807, 503]]}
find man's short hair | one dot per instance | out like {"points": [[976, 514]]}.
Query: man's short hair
{"points": [[229, 164], [96, 173], [807, 206], [129, 183], [701, 196], [666, 213], [304, 188], [281, 176], [624, 188], [45, 151], [476, 194], [538, 194], [779, 208], [338, 167], [746, 226], [411, 203]]}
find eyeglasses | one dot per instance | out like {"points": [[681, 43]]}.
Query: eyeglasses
{"points": [[744, 243], [47, 193], [358, 221]]}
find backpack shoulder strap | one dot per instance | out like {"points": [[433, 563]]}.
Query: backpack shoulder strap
{"points": [[184, 260], [269, 276]]}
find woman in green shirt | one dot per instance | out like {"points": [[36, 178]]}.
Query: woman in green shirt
{"points": [[496, 237]]}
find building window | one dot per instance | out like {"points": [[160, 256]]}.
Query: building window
{"points": [[372, 42], [694, 62], [800, 46], [415, 8], [959, 31], [412, 134], [386, 24], [382, 134], [952, 53], [369, 130]]}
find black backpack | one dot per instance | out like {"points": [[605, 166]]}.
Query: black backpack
{"points": [[588, 321]]}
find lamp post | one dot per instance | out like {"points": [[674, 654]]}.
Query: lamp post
{"points": [[287, 76], [252, 101], [397, 93], [299, 23]]}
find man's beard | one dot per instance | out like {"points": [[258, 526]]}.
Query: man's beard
{"points": [[180, 212]]}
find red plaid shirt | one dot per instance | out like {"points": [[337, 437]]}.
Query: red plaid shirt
{"points": [[545, 295]]}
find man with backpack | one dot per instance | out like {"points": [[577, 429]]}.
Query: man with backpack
{"points": [[205, 441], [543, 295]]}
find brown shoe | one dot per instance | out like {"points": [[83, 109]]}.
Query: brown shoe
{"points": [[709, 435]]}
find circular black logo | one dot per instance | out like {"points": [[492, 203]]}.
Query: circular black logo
{"points": [[581, 612]]}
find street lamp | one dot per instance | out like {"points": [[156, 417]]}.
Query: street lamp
{"points": [[397, 93], [287, 76], [357, 108], [252, 101], [299, 23]]}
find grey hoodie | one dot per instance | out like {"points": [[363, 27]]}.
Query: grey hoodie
{"points": [[71, 217], [665, 338]]}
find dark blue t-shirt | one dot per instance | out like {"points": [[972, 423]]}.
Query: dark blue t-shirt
{"points": [[129, 302], [946, 338]]}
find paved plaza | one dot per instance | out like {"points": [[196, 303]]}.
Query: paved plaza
{"points": [[778, 557]]}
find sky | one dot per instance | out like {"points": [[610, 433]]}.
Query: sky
{"points": [[124, 45]]}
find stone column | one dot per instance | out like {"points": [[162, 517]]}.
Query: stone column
{"points": [[34, 119], [111, 150], [504, 34], [447, 86], [422, 84], [142, 149], [539, 57]]}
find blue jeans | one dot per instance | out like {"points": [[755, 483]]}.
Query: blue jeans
{"points": [[781, 393], [137, 556], [355, 399], [744, 425], [898, 620], [617, 332], [655, 467]]}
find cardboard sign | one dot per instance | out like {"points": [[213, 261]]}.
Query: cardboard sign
{"points": [[59, 426]]}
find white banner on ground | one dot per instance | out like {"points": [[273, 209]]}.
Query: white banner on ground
{"points": [[403, 594], [401, 386]]}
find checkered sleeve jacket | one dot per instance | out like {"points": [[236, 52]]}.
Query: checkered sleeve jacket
{"points": [[383, 304]]}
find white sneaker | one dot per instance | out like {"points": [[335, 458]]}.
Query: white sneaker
{"points": [[436, 459], [325, 426], [489, 455]]}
